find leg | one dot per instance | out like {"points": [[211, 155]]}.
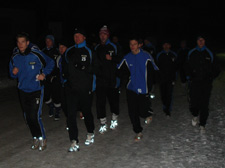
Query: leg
{"points": [[86, 104], [144, 106], [101, 102], [204, 110], [195, 95], [133, 111], [47, 96], [56, 96], [113, 98], [72, 102], [63, 101], [169, 93], [162, 88], [32, 106]]}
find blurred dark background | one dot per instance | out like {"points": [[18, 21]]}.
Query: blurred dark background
{"points": [[174, 20]]}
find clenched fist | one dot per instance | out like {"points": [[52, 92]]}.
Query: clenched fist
{"points": [[15, 71]]}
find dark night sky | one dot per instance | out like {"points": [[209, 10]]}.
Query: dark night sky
{"points": [[174, 19]]}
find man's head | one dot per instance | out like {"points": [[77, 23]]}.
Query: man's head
{"points": [[23, 41], [166, 45], [200, 41], [135, 44], [104, 34], [79, 36], [62, 47], [147, 40], [115, 39], [49, 41]]}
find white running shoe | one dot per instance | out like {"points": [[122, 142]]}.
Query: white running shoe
{"points": [[103, 128], [74, 146], [42, 144], [138, 137], [194, 121], [148, 120], [90, 139], [202, 129], [35, 144], [114, 124]]}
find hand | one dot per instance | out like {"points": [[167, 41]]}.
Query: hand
{"points": [[15, 71], [41, 77], [108, 57]]}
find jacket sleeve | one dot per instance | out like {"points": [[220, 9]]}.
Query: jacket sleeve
{"points": [[11, 66], [215, 68], [123, 72], [50, 64], [118, 56], [94, 66]]}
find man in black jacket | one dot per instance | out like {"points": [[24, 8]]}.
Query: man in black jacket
{"points": [[80, 85], [107, 84], [182, 54], [52, 83], [201, 68], [167, 63]]}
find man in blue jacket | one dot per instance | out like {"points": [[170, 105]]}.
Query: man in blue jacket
{"points": [[31, 67], [139, 67]]}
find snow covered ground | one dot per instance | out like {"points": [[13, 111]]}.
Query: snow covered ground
{"points": [[167, 142]]}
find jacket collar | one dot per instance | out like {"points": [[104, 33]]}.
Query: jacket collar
{"points": [[26, 52], [83, 44], [201, 49]]}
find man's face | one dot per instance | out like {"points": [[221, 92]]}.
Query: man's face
{"points": [[22, 44], [49, 43], [115, 39], [134, 46], [201, 42], [79, 38], [62, 49], [166, 46], [103, 37]]}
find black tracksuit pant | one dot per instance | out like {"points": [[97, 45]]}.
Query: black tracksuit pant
{"points": [[32, 107], [199, 100], [166, 91], [52, 92], [103, 93], [83, 99], [63, 100], [138, 106]]}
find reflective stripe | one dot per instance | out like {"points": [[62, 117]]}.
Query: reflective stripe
{"points": [[40, 113]]}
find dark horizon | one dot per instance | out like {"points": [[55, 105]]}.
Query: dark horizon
{"points": [[174, 20]]}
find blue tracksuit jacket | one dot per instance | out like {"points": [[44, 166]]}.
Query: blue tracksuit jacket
{"points": [[30, 64], [138, 64]]}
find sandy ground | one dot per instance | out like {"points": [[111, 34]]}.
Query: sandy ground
{"points": [[167, 142]]}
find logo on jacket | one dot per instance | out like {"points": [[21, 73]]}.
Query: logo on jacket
{"points": [[111, 53], [83, 57], [207, 58], [139, 90]]}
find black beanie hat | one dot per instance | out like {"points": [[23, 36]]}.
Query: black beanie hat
{"points": [[80, 30]]}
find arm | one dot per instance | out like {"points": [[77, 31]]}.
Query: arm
{"points": [[123, 71], [50, 64], [215, 68], [13, 71]]}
